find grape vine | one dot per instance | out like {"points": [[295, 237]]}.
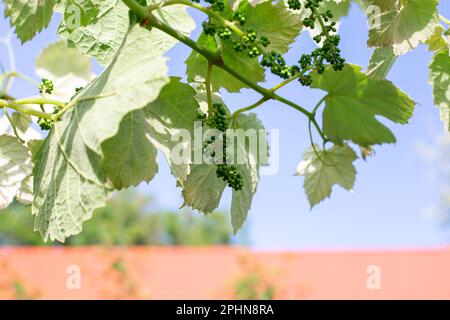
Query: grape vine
{"points": [[105, 134]]}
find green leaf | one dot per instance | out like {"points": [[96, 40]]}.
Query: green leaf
{"points": [[202, 189], [197, 67], [25, 193], [281, 34], [15, 166], [130, 156], [440, 79], [57, 61], [69, 181], [253, 158], [437, 41], [79, 13], [21, 121], [326, 168], [353, 102], [29, 16], [404, 24], [104, 36], [381, 63], [122, 87], [68, 185]]}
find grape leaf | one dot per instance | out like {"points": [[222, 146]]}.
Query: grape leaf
{"points": [[381, 63], [203, 190], [281, 35], [22, 122], [253, 158], [68, 185], [25, 193], [104, 36], [81, 12], [440, 79], [437, 41], [70, 160], [122, 87], [324, 169], [29, 16], [353, 102], [197, 66], [404, 24], [130, 156], [15, 166]]}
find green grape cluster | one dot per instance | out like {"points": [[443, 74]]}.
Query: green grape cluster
{"points": [[47, 124], [218, 119], [216, 5], [46, 86], [239, 17], [278, 66], [329, 51], [294, 4], [253, 45]]}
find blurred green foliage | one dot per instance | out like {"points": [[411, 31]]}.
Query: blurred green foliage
{"points": [[128, 219]]}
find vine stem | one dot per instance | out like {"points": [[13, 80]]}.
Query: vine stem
{"points": [[208, 88], [274, 89], [40, 101], [445, 20], [11, 122], [213, 57], [24, 109]]}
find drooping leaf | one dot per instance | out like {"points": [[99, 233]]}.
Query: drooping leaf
{"points": [[381, 63], [403, 24], [254, 156], [324, 169], [29, 16], [440, 80], [203, 190], [281, 34], [22, 122], [25, 193], [68, 182], [15, 166], [352, 103], [130, 156], [70, 159]]}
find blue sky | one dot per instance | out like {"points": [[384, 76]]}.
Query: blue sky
{"points": [[392, 191]]}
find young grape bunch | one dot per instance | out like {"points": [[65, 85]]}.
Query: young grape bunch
{"points": [[218, 119]]}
